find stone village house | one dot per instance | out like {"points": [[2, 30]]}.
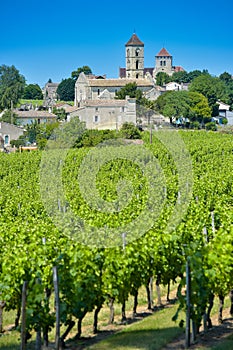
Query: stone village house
{"points": [[9, 132]]}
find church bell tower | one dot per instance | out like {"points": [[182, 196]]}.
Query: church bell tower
{"points": [[134, 58]]}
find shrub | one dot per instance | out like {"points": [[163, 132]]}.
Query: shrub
{"points": [[211, 126]]}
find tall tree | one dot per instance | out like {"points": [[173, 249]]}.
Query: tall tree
{"points": [[33, 92], [180, 77], [12, 85], [130, 90], [174, 104], [85, 69], [65, 89], [163, 78], [226, 77], [212, 88]]}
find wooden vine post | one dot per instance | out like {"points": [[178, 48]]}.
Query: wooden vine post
{"points": [[188, 311], [23, 317], [57, 305]]}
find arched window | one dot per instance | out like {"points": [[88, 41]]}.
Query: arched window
{"points": [[128, 52], [164, 63], [161, 63], [137, 75], [137, 52], [137, 64]]}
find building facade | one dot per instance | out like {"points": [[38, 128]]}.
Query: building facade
{"points": [[105, 114], [31, 116], [9, 132], [101, 89]]}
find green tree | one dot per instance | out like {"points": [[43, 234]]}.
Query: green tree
{"points": [[226, 77], [130, 90], [200, 109], [162, 78], [180, 77], [85, 69], [130, 131], [65, 89], [194, 74], [33, 92], [9, 117], [211, 87], [173, 104], [12, 85]]}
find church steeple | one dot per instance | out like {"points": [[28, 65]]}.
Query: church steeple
{"points": [[134, 58], [163, 62]]}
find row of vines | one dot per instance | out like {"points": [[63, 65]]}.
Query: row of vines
{"points": [[91, 275]]}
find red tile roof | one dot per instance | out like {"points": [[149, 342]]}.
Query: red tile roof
{"points": [[163, 52], [134, 41], [178, 69]]}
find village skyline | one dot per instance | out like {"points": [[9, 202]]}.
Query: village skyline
{"points": [[51, 40]]}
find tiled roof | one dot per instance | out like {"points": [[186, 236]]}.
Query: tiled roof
{"points": [[113, 102], [34, 114], [118, 82], [163, 52], [134, 41], [178, 69]]}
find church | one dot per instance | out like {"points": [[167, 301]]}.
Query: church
{"points": [[95, 102], [100, 88]]}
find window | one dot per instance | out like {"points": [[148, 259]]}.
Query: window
{"points": [[96, 119], [164, 63], [137, 52], [137, 64], [161, 63], [96, 109], [128, 53], [137, 75], [122, 109], [6, 139], [98, 91]]}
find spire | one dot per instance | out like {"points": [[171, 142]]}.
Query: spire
{"points": [[134, 41], [164, 52]]}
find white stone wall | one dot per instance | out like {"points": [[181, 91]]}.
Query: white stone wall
{"points": [[9, 132], [107, 116]]}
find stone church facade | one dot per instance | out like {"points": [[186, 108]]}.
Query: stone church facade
{"points": [[100, 88]]}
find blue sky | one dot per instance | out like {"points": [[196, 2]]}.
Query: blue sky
{"points": [[49, 39]]}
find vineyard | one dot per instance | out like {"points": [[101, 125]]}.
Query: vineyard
{"points": [[110, 219]]}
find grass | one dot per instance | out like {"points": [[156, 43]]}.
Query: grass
{"points": [[40, 102], [152, 333], [11, 339], [225, 345]]}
